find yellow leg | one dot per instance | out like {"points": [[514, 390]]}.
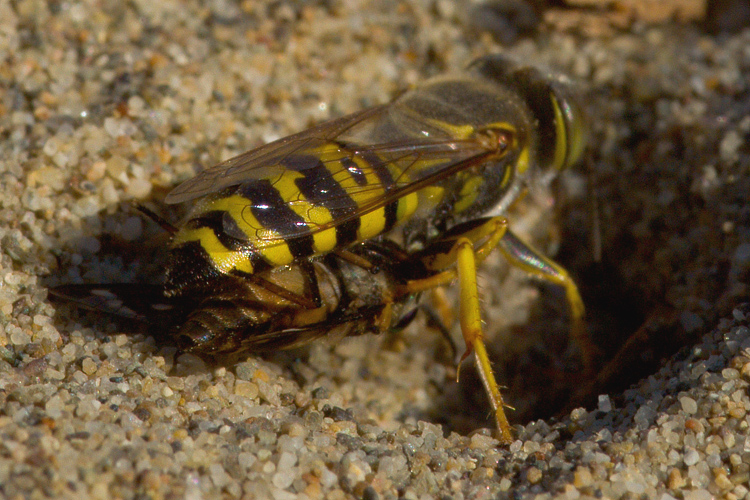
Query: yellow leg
{"points": [[463, 257], [525, 257], [458, 255], [384, 319], [491, 232], [471, 327], [353, 258], [443, 307]]}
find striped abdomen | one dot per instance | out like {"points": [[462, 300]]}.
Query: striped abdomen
{"points": [[267, 223]]}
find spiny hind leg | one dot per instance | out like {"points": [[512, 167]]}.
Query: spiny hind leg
{"points": [[462, 250], [471, 327], [459, 253]]}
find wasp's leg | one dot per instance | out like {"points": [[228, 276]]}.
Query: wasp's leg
{"points": [[494, 232], [483, 234], [527, 258], [383, 320], [464, 250], [471, 327], [459, 252], [443, 308], [312, 282], [440, 316]]}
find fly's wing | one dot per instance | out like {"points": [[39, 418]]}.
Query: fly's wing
{"points": [[413, 155], [142, 303], [255, 339]]}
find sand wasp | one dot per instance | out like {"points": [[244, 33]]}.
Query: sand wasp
{"points": [[342, 226]]}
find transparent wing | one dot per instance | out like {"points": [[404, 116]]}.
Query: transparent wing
{"points": [[265, 161], [138, 302], [331, 164]]}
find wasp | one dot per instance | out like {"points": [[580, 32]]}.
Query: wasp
{"points": [[341, 227]]}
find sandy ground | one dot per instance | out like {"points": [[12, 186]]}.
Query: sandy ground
{"points": [[107, 104]]}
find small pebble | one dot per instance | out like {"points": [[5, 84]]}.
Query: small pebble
{"points": [[691, 457], [533, 475], [689, 405]]}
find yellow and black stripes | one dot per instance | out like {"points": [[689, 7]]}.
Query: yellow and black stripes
{"points": [[319, 187], [447, 151], [271, 222], [270, 210], [283, 243]]}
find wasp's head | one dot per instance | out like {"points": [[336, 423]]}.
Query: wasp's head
{"points": [[557, 114]]}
